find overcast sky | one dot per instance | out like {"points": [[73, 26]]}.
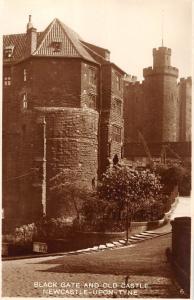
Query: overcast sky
{"points": [[128, 28]]}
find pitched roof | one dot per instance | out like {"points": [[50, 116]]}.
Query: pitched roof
{"points": [[71, 45]]}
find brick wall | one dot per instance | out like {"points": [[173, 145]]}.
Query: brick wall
{"points": [[89, 86], [134, 111], [111, 115], [56, 82]]}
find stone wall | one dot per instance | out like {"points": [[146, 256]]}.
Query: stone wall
{"points": [[181, 250], [71, 146], [111, 118], [185, 90]]}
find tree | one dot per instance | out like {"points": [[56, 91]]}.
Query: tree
{"points": [[122, 192]]}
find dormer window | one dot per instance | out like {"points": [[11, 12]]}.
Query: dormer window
{"points": [[25, 101], [8, 51], [56, 45]]}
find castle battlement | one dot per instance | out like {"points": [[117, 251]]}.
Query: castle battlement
{"points": [[133, 84], [162, 50], [165, 70], [130, 78], [185, 80]]}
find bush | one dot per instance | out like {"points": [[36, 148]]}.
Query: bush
{"points": [[43, 230], [122, 192], [25, 234], [185, 185], [174, 175], [53, 228]]}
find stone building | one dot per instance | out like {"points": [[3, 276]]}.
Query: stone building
{"points": [[157, 110], [62, 110], [68, 108]]}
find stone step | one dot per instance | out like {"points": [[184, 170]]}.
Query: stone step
{"points": [[122, 241], [101, 247], [110, 245]]}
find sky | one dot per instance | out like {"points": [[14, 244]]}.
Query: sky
{"points": [[130, 29]]}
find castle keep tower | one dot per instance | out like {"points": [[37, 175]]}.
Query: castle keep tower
{"points": [[159, 108], [160, 90]]}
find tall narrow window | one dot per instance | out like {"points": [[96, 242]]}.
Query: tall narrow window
{"points": [[92, 101], [116, 133], [118, 82], [92, 76], [7, 80], [25, 75], [117, 106], [25, 101], [109, 149]]}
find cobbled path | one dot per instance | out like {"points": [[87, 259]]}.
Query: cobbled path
{"points": [[26, 277]]}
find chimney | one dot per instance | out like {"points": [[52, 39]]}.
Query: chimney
{"points": [[31, 37], [29, 25]]}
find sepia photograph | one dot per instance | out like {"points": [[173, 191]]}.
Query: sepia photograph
{"points": [[96, 149]]}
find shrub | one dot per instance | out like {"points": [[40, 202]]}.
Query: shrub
{"points": [[122, 193], [53, 228], [42, 230], [25, 233], [174, 175]]}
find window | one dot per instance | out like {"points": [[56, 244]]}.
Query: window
{"points": [[92, 76], [8, 51], [25, 75], [56, 46], [118, 82], [7, 80], [117, 106], [109, 149], [116, 133], [25, 102], [92, 101]]}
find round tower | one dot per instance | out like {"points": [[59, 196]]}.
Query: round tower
{"points": [[161, 94], [71, 152]]}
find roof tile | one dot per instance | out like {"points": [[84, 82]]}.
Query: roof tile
{"points": [[71, 45]]}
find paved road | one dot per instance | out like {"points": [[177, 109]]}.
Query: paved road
{"points": [[144, 264], [108, 272]]}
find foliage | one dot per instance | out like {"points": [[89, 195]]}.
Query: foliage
{"points": [[25, 233], [123, 185], [185, 185], [42, 230], [52, 228], [123, 191], [174, 175], [155, 211]]}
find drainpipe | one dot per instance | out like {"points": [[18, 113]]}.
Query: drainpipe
{"points": [[44, 169]]}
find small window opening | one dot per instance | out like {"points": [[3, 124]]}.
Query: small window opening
{"points": [[25, 75], [7, 80], [25, 102], [56, 46], [115, 160]]}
